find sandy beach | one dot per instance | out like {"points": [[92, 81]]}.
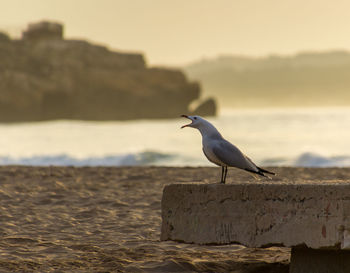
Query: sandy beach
{"points": [[99, 219]]}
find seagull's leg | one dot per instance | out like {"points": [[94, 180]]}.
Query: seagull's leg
{"points": [[222, 175], [225, 173]]}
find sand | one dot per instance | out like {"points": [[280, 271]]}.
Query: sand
{"points": [[65, 219]]}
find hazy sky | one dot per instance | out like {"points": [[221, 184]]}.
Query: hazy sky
{"points": [[181, 31]]}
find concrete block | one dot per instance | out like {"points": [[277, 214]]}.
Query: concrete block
{"points": [[311, 214]]}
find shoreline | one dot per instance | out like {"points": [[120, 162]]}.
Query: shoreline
{"points": [[79, 219]]}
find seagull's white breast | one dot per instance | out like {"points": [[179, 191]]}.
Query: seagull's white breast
{"points": [[208, 152]]}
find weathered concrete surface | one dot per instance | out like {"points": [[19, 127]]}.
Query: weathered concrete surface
{"points": [[313, 214]]}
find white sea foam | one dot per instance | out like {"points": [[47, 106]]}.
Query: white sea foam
{"points": [[159, 159], [316, 137], [145, 158]]}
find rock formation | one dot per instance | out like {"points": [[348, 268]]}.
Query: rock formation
{"points": [[44, 77]]}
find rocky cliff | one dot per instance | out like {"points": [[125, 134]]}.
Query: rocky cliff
{"points": [[44, 77], [301, 80]]}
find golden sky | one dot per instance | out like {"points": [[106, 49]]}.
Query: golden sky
{"points": [[181, 31]]}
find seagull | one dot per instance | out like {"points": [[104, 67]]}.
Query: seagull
{"points": [[221, 152]]}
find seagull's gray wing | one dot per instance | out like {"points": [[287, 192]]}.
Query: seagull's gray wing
{"points": [[230, 155]]}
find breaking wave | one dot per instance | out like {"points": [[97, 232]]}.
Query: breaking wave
{"points": [[137, 159], [147, 158], [309, 160], [315, 160]]}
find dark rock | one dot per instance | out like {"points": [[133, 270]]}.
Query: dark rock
{"points": [[4, 37], [206, 108], [45, 77], [43, 30]]}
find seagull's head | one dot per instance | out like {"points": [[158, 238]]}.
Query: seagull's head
{"points": [[197, 121], [204, 126]]}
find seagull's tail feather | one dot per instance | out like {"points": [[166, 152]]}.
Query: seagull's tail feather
{"points": [[260, 172], [265, 171], [255, 173]]}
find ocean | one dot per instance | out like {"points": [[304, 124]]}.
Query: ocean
{"points": [[310, 137]]}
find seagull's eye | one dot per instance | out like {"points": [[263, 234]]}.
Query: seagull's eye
{"points": [[195, 117]]}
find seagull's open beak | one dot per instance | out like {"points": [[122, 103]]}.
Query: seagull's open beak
{"points": [[185, 116]]}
